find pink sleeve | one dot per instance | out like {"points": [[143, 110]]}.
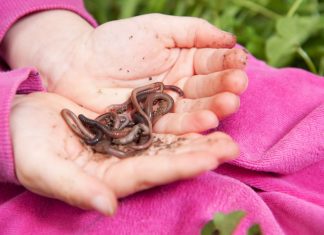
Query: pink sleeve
{"points": [[25, 80], [20, 81], [13, 10]]}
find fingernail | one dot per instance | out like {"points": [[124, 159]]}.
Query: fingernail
{"points": [[245, 50], [102, 204]]}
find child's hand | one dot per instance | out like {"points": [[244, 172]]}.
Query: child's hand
{"points": [[98, 67], [51, 161]]}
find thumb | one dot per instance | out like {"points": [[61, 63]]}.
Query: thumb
{"points": [[190, 32], [62, 180]]}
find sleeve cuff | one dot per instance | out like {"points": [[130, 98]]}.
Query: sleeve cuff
{"points": [[21, 81], [11, 11]]}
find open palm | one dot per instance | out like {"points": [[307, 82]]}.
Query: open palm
{"points": [[101, 67], [51, 161], [97, 67]]}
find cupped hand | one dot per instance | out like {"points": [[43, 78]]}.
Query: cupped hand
{"points": [[133, 52], [99, 67], [51, 161]]}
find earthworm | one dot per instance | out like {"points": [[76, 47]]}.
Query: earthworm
{"points": [[174, 88], [140, 111], [127, 127], [132, 134], [150, 102], [104, 146], [97, 125], [98, 136], [76, 125], [141, 146], [153, 87], [124, 121], [110, 116]]}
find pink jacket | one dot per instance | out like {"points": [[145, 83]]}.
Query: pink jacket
{"points": [[277, 179]]}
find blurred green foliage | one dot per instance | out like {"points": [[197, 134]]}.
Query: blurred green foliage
{"points": [[281, 32], [226, 223]]}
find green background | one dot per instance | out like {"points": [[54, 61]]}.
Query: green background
{"points": [[281, 32]]}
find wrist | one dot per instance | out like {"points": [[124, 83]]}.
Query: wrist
{"points": [[44, 40]]}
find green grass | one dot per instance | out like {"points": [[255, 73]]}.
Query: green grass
{"points": [[281, 32]]}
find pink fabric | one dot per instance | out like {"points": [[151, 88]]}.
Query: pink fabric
{"points": [[276, 180], [17, 81], [23, 80]]}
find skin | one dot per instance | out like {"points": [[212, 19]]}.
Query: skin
{"points": [[183, 51], [63, 168], [95, 68]]}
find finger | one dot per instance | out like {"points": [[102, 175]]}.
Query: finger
{"points": [[208, 60], [198, 86], [187, 32], [64, 181], [222, 104], [198, 156], [181, 123], [204, 61]]}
